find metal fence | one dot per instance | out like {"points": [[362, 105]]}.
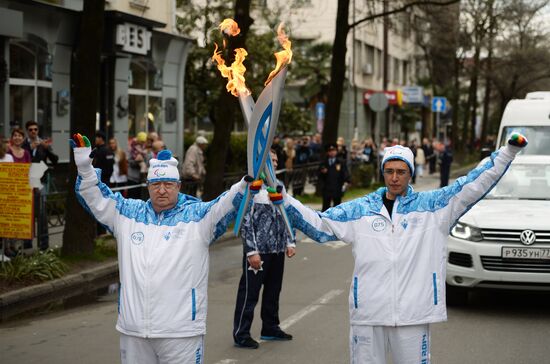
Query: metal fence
{"points": [[53, 201]]}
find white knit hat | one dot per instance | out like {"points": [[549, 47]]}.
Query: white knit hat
{"points": [[398, 152], [163, 168]]}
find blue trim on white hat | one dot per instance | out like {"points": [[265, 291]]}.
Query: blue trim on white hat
{"points": [[398, 157], [164, 179]]}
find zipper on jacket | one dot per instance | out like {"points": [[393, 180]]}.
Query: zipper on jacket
{"points": [[393, 266], [147, 284]]}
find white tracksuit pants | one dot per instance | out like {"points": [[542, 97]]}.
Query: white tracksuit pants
{"points": [[407, 344], [138, 350]]}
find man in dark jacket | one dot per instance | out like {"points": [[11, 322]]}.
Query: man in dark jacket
{"points": [[334, 176], [265, 242], [41, 151], [104, 157]]}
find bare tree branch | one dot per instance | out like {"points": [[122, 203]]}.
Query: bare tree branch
{"points": [[403, 8]]}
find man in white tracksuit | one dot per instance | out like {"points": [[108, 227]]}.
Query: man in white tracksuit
{"points": [[163, 258], [399, 246]]}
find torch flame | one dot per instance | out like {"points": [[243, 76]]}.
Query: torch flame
{"points": [[235, 74], [283, 57], [229, 27]]}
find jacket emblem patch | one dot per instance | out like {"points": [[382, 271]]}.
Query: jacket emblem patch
{"points": [[404, 223], [379, 224], [137, 238], [167, 236]]}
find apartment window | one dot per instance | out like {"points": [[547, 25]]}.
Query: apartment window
{"points": [[144, 98], [369, 60], [405, 72], [396, 71], [379, 63], [30, 86]]}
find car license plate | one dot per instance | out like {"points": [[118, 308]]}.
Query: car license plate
{"points": [[525, 253]]}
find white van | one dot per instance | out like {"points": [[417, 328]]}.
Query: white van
{"points": [[530, 117]]}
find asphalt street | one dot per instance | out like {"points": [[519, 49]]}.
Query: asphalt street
{"points": [[496, 327]]}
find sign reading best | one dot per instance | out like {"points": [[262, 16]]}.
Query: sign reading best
{"points": [[16, 201]]}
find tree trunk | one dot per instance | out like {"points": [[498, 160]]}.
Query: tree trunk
{"points": [[337, 73], [80, 227], [456, 105], [475, 78], [224, 115], [488, 76]]}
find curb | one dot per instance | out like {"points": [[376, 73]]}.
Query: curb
{"points": [[88, 281], [28, 298]]}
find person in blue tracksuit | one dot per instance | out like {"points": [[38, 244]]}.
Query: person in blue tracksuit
{"points": [[398, 239], [265, 242], [163, 258]]}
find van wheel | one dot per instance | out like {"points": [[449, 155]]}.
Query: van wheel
{"points": [[456, 296]]}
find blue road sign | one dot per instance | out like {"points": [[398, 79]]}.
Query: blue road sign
{"points": [[320, 111], [439, 104]]}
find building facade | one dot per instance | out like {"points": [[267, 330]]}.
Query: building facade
{"points": [[142, 70], [315, 21]]}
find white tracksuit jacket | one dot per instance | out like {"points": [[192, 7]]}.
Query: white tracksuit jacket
{"points": [[400, 262], [163, 258]]}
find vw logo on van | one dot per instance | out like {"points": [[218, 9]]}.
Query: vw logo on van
{"points": [[527, 237]]}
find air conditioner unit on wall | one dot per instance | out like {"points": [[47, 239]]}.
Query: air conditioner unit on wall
{"points": [[367, 69]]}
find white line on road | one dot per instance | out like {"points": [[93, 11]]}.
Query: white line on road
{"points": [[311, 308], [299, 315]]}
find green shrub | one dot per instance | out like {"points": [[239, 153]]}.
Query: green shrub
{"points": [[41, 266], [362, 175]]}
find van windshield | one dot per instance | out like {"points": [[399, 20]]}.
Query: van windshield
{"points": [[523, 181], [538, 137]]}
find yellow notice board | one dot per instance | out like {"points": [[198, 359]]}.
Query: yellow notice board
{"points": [[16, 201]]}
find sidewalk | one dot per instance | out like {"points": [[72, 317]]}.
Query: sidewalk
{"points": [[90, 280]]}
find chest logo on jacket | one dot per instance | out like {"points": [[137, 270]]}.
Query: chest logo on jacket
{"points": [[137, 238], [404, 223], [167, 236], [379, 224]]}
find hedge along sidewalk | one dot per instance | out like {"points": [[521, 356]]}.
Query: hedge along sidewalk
{"points": [[88, 281]]}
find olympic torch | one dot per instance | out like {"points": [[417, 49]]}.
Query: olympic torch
{"points": [[261, 116]]}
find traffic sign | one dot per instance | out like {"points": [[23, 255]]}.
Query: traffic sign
{"points": [[378, 102], [320, 110], [439, 104]]}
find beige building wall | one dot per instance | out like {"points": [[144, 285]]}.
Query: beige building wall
{"points": [[162, 11]]}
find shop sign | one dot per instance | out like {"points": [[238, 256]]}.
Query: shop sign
{"points": [[133, 38], [394, 97], [16, 201], [413, 94]]}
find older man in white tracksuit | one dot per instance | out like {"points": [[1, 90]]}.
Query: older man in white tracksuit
{"points": [[163, 258], [399, 246]]}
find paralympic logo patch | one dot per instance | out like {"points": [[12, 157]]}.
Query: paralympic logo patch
{"points": [[137, 238], [159, 173], [379, 224]]}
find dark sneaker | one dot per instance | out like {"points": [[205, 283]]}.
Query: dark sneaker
{"points": [[277, 335], [248, 343]]}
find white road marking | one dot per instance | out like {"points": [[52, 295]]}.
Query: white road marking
{"points": [[299, 315], [311, 308]]}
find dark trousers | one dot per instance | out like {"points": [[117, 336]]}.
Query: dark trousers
{"points": [[328, 197], [249, 292], [445, 171], [42, 235]]}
